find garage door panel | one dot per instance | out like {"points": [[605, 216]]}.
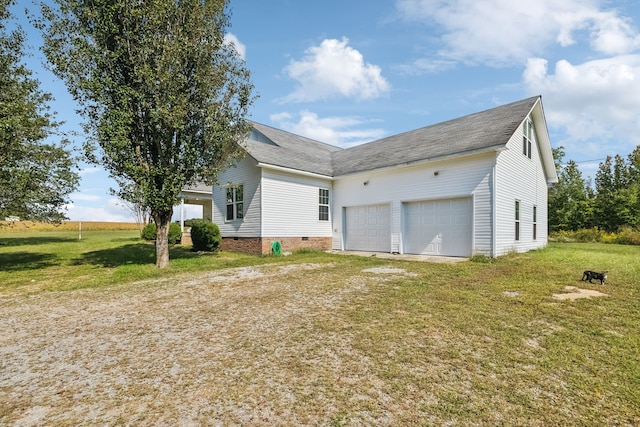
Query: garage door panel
{"points": [[444, 220], [368, 228], [439, 227]]}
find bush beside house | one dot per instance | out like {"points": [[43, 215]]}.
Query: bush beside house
{"points": [[205, 236], [150, 230]]}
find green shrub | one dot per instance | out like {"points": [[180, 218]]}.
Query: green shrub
{"points": [[150, 231], [628, 236], [175, 233], [589, 235], [189, 222], [481, 258], [585, 235], [205, 236], [624, 236]]}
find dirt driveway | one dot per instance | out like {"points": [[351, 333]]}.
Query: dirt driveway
{"points": [[240, 346]]}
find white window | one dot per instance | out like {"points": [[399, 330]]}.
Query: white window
{"points": [[235, 205], [517, 220], [535, 222], [323, 205], [527, 130]]}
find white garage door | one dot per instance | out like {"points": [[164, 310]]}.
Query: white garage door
{"points": [[368, 228], [438, 227]]}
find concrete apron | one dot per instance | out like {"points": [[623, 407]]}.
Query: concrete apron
{"points": [[405, 257]]}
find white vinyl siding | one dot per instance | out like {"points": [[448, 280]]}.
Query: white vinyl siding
{"points": [[523, 179], [290, 205], [246, 173]]}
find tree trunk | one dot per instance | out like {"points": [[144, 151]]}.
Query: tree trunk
{"points": [[162, 239]]}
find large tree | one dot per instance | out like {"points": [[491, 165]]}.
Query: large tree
{"points": [[616, 198], [36, 174], [569, 204], [164, 96]]}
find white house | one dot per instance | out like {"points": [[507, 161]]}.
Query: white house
{"points": [[476, 184]]}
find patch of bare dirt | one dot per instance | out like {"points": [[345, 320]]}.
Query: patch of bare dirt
{"points": [[389, 270], [572, 293]]}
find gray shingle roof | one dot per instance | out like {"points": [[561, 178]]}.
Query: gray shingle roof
{"points": [[291, 151], [475, 132], [486, 130]]}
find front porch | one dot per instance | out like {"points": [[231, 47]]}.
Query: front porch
{"points": [[201, 195]]}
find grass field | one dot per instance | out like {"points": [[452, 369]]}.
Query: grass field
{"points": [[61, 261], [91, 333], [77, 226]]}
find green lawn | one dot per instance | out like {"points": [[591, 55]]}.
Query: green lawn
{"points": [[61, 261], [321, 339]]}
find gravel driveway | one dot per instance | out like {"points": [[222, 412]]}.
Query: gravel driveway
{"points": [[241, 346]]}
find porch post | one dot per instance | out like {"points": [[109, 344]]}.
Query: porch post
{"points": [[182, 214]]}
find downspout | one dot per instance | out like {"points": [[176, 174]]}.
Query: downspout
{"points": [[261, 189], [494, 222]]}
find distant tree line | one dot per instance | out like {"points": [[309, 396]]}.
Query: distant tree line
{"points": [[609, 204]]}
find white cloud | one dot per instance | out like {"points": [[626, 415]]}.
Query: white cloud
{"points": [[613, 35], [232, 39], [109, 212], [593, 101], [501, 32], [425, 65], [90, 170], [339, 131], [85, 197], [114, 210], [334, 69]]}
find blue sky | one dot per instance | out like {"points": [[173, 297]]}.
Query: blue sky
{"points": [[348, 72]]}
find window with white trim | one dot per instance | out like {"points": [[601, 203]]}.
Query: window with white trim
{"points": [[323, 204], [235, 204], [517, 220], [527, 131], [535, 222]]}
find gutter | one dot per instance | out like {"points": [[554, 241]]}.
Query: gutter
{"points": [[295, 171]]}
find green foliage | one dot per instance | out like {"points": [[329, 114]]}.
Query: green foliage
{"points": [[164, 96], [189, 222], [617, 198], [205, 236], [150, 231], [569, 207], [586, 235], [481, 258], [611, 205], [625, 236], [36, 178], [175, 233]]}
